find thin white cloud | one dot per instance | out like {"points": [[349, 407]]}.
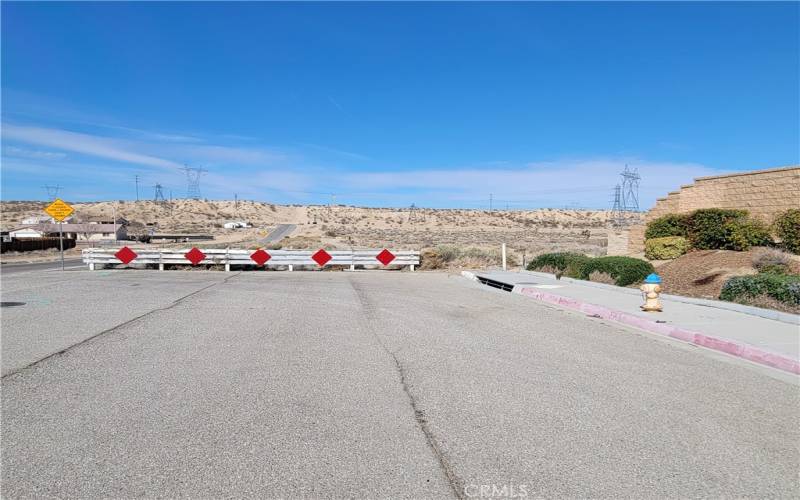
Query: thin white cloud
{"points": [[16, 152], [585, 182], [103, 147], [339, 152], [164, 154], [335, 103]]}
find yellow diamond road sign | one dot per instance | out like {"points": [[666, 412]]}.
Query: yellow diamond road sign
{"points": [[59, 210]]}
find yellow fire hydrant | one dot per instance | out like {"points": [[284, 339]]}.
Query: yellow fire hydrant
{"points": [[650, 289]]}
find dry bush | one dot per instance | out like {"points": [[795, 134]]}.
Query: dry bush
{"points": [[299, 243], [429, 260], [601, 277], [771, 259], [767, 302]]}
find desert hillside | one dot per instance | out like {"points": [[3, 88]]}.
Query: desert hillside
{"points": [[531, 231]]}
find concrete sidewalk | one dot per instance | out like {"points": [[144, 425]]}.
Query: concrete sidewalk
{"points": [[729, 328]]}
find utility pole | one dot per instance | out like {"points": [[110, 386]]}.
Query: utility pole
{"points": [[490, 202], [137, 187]]}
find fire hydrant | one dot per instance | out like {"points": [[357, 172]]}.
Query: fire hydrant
{"points": [[650, 289]]}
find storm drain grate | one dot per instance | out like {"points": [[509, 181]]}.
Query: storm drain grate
{"points": [[11, 304], [506, 287]]}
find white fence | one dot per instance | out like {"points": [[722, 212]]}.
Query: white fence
{"points": [[228, 257]]}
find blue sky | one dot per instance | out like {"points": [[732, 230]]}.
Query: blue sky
{"points": [[388, 104]]}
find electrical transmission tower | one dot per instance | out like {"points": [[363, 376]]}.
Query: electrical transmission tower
{"points": [[159, 196], [630, 189], [52, 191], [617, 217], [626, 196], [193, 181], [412, 213]]}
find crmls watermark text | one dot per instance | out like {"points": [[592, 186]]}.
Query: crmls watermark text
{"points": [[496, 491]]}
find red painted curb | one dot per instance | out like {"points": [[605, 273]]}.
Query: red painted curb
{"points": [[732, 347]]}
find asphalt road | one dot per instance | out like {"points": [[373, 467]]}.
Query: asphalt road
{"points": [[277, 234], [11, 268], [366, 385]]}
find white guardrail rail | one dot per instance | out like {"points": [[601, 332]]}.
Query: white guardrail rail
{"points": [[100, 257]]}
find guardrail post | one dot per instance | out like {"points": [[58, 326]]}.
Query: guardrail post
{"points": [[160, 261], [504, 256], [352, 267], [227, 259], [291, 267], [91, 265], [411, 267]]}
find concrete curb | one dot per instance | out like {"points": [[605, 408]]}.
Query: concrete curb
{"points": [[469, 275], [727, 346], [783, 317]]}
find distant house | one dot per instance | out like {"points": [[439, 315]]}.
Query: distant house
{"points": [[86, 232], [236, 224], [41, 219], [104, 219], [27, 232]]}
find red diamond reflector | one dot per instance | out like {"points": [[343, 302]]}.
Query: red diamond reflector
{"points": [[260, 257], [125, 255], [321, 257], [194, 256], [385, 257]]}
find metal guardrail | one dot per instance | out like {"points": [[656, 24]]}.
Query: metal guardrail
{"points": [[228, 257]]}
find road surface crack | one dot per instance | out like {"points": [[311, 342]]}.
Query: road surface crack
{"points": [[447, 469], [117, 327]]}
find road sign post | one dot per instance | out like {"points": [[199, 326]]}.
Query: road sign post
{"points": [[61, 242], [59, 210]]}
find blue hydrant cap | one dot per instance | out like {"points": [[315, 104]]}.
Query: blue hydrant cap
{"points": [[653, 278]]}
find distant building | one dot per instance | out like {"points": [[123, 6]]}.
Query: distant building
{"points": [[236, 224], [41, 219], [104, 219], [87, 232]]}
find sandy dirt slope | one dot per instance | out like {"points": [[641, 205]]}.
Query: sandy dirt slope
{"points": [[529, 231]]}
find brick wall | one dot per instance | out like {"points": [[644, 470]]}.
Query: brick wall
{"points": [[764, 193]]}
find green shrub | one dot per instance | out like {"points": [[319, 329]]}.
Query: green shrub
{"points": [[668, 247], [667, 225], [706, 229], [787, 227], [784, 288], [743, 233], [625, 270], [567, 263]]}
